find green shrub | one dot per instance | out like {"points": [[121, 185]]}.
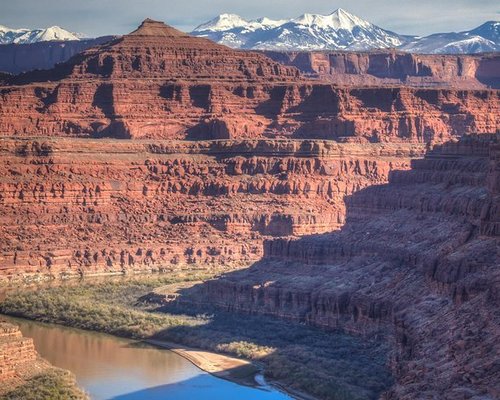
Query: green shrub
{"points": [[53, 385]]}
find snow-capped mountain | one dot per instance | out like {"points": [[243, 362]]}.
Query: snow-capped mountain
{"points": [[340, 31], [450, 43], [485, 38], [22, 36], [489, 30]]}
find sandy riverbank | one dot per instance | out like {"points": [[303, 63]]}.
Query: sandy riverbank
{"points": [[226, 367], [237, 370]]}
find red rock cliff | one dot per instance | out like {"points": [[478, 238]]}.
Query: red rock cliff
{"points": [[96, 206], [417, 262], [388, 68], [158, 82]]}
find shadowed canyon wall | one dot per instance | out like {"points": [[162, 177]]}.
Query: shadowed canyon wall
{"points": [[416, 262]]}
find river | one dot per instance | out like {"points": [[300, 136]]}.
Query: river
{"points": [[107, 367]]}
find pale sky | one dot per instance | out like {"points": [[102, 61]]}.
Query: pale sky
{"points": [[103, 17]]}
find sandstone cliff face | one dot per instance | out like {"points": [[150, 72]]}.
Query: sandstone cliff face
{"points": [[16, 352], [95, 206], [160, 83], [382, 68], [375, 68], [19, 360], [20, 363], [416, 262]]}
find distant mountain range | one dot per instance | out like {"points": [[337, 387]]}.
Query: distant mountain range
{"points": [[25, 36], [340, 31]]}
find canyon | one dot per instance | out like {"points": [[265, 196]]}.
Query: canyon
{"points": [[415, 263], [333, 189]]}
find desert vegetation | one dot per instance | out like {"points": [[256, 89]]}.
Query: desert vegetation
{"points": [[329, 365], [55, 384]]}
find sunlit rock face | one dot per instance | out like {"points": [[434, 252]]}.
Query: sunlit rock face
{"points": [[97, 206], [395, 68], [160, 83], [18, 357]]}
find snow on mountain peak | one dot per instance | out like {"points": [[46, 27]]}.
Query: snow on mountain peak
{"points": [[54, 33], [339, 19], [338, 30], [4, 30], [268, 22], [223, 22], [22, 36], [345, 20], [472, 44]]}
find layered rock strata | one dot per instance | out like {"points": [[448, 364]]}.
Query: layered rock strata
{"points": [[417, 262], [73, 207], [160, 83], [373, 68], [19, 360], [15, 350], [389, 68]]}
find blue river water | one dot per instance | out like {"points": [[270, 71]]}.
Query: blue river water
{"points": [[110, 368]]}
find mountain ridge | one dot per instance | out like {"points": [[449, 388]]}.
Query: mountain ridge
{"points": [[341, 30], [28, 36]]}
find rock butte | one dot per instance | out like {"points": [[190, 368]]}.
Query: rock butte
{"points": [[368, 69], [391, 229], [160, 83]]}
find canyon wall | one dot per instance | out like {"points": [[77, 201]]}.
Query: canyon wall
{"points": [[24, 374], [19, 360], [389, 68], [81, 206], [16, 352], [159, 83], [416, 263]]}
